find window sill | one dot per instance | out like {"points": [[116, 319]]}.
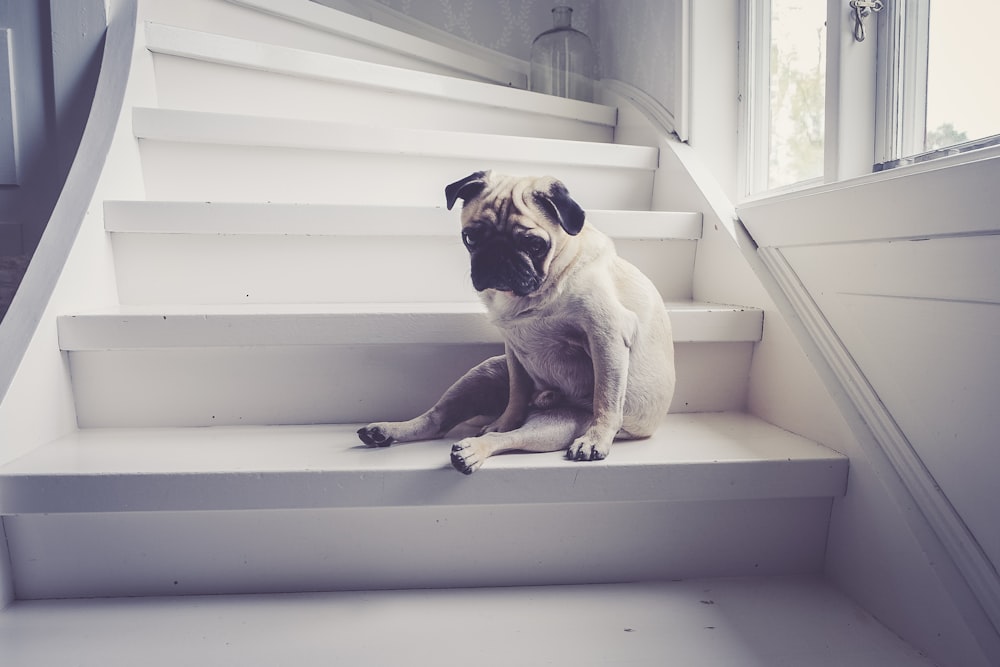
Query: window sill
{"points": [[814, 187], [952, 196]]}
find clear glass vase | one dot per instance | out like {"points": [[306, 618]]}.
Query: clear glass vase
{"points": [[562, 60]]}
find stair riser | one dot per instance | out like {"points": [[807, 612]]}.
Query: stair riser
{"points": [[171, 553], [330, 384], [214, 172], [215, 269], [183, 83]]}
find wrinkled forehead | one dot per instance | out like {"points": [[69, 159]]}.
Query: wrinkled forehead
{"points": [[506, 200]]}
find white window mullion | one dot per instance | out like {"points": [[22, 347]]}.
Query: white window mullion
{"points": [[901, 104], [850, 96]]}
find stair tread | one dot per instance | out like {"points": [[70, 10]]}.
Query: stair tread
{"points": [[221, 49], [178, 125], [211, 325], [180, 217], [699, 623], [691, 457]]}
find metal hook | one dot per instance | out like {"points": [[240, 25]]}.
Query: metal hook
{"points": [[862, 9]]}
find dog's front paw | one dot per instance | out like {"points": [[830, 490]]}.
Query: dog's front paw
{"points": [[375, 435], [466, 457], [589, 447]]}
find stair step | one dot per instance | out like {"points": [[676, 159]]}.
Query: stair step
{"points": [[691, 458], [209, 72], [751, 622], [160, 326], [307, 25], [335, 363], [203, 253], [113, 512], [201, 156], [200, 217]]}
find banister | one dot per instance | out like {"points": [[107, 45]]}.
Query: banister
{"points": [[25, 313]]}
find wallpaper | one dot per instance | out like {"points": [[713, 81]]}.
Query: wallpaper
{"points": [[636, 41], [507, 26]]}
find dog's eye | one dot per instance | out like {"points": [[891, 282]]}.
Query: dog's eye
{"points": [[471, 237], [535, 246]]}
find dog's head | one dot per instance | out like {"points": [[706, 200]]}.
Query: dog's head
{"points": [[513, 227]]}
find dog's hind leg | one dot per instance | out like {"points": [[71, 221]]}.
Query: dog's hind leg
{"points": [[544, 431], [483, 391]]}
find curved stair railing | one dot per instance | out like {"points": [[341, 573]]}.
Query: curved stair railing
{"points": [[28, 307]]}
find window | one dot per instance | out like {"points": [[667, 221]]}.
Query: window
{"points": [[926, 77], [936, 64], [788, 92]]}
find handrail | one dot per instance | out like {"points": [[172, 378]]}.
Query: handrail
{"points": [[22, 319]]}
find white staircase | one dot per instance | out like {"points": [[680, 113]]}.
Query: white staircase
{"points": [[291, 273]]}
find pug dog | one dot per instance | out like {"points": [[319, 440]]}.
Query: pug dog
{"points": [[588, 350]]}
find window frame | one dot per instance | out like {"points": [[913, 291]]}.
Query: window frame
{"points": [[903, 37], [868, 97]]}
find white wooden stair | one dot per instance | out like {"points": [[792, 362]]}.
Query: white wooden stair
{"points": [[759, 622], [292, 273], [185, 152], [210, 72], [185, 252]]}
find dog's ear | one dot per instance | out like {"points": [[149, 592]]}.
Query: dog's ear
{"points": [[561, 208], [465, 189]]}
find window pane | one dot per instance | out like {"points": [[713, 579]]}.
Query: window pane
{"points": [[798, 82], [963, 100]]}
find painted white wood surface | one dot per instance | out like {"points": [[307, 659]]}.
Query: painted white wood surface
{"points": [[922, 321], [881, 549], [896, 276], [210, 72], [72, 266], [703, 457], [200, 252], [609, 538], [202, 269], [211, 157], [921, 201], [762, 622], [137, 327], [321, 384], [372, 220], [281, 551]]}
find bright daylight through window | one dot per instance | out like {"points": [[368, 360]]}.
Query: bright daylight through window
{"points": [[797, 95], [963, 99], [935, 61]]}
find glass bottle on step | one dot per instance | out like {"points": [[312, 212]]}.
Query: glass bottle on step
{"points": [[562, 60]]}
